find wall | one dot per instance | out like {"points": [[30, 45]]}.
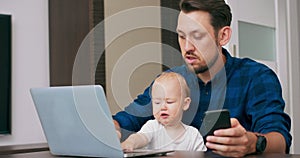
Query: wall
{"points": [[132, 39], [293, 24], [29, 66], [30, 60], [247, 13]]}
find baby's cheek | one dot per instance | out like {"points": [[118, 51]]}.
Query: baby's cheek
{"points": [[155, 110], [156, 113]]}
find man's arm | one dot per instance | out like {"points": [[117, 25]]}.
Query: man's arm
{"points": [[264, 107], [127, 123], [134, 115], [237, 142], [276, 142]]}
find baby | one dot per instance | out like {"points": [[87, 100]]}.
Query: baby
{"points": [[170, 98]]}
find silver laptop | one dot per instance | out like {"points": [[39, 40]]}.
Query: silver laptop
{"points": [[77, 122]]}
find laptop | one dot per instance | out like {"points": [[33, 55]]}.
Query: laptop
{"points": [[77, 121]]}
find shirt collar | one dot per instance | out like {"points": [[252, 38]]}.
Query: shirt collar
{"points": [[229, 60], [228, 66]]}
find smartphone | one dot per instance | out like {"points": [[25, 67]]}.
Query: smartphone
{"points": [[214, 120]]}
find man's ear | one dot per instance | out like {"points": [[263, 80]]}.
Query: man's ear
{"points": [[224, 35], [186, 103]]}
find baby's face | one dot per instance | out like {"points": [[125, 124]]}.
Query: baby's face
{"points": [[167, 102]]}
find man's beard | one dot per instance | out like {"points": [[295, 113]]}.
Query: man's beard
{"points": [[205, 68], [201, 70]]}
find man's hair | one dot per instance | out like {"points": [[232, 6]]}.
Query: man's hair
{"points": [[219, 11], [173, 75]]}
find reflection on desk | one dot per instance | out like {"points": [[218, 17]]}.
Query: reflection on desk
{"points": [[177, 154]]}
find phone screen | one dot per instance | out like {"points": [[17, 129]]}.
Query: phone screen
{"points": [[214, 120]]}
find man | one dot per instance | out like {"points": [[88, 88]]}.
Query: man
{"points": [[251, 91]]}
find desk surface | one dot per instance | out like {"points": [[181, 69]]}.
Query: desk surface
{"points": [[47, 154], [42, 151], [14, 149]]}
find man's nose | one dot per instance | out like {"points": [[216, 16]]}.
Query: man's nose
{"points": [[189, 46]]}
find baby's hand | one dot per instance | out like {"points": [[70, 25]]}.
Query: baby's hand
{"points": [[127, 146]]}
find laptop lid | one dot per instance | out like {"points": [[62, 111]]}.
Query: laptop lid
{"points": [[77, 121]]}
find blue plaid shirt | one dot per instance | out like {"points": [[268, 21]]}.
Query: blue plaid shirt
{"points": [[249, 90]]}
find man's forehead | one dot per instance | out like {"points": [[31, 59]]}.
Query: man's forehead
{"points": [[192, 21]]}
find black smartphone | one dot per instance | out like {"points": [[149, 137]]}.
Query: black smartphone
{"points": [[214, 120]]}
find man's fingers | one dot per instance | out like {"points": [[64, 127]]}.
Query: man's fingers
{"points": [[227, 150]]}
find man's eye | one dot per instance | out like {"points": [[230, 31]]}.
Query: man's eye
{"points": [[181, 37], [197, 36]]}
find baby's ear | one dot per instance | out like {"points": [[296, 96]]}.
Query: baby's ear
{"points": [[186, 103]]}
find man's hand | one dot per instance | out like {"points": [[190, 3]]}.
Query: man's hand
{"points": [[232, 142]]}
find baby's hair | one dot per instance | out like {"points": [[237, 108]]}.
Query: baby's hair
{"points": [[171, 75]]}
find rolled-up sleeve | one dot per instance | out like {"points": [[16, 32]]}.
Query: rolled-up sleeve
{"points": [[135, 114], [266, 106]]}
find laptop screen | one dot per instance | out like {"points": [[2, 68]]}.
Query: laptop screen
{"points": [[77, 121]]}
